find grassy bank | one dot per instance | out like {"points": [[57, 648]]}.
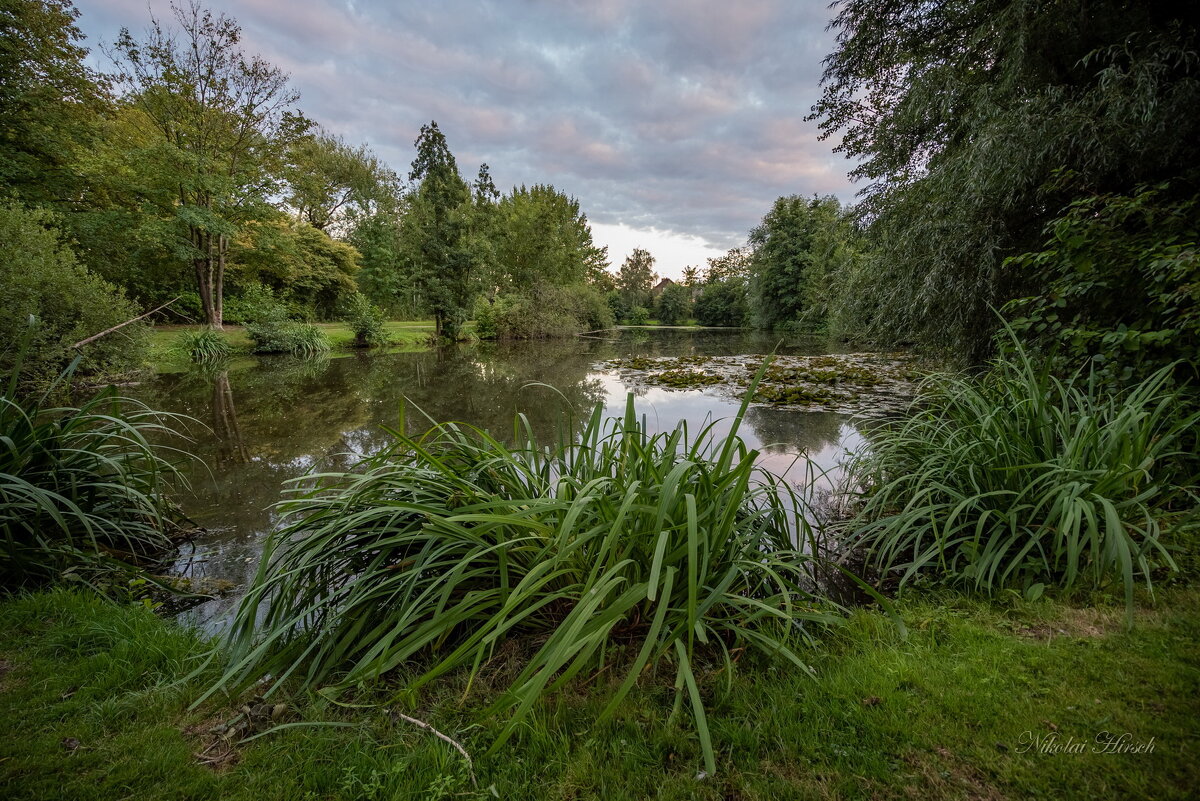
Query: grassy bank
{"points": [[94, 705], [404, 335]]}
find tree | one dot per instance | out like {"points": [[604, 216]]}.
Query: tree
{"points": [[49, 99], [691, 276], [225, 122], [544, 237], [962, 115], [799, 251], [437, 232], [722, 303], [40, 278], [636, 277], [674, 304], [331, 184], [734, 264]]}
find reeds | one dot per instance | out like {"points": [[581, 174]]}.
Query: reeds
{"points": [[611, 553], [1020, 479]]}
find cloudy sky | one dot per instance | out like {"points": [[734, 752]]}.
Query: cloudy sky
{"points": [[675, 122]]}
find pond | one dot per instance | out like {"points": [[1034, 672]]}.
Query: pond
{"points": [[267, 420]]}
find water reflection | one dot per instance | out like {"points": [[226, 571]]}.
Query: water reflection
{"points": [[272, 419]]}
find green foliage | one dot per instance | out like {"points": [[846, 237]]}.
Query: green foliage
{"points": [[542, 311], [961, 115], [216, 128], [1020, 479], [307, 269], [366, 320], [722, 303], [331, 182], [638, 315], [287, 336], [636, 277], [204, 345], [543, 237], [1120, 285], [40, 278], [669, 545], [674, 305], [82, 489], [437, 233], [800, 253], [49, 99]]}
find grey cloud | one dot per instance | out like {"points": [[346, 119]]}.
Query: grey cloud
{"points": [[682, 115]]}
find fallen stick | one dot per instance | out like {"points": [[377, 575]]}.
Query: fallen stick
{"points": [[108, 331], [439, 735]]}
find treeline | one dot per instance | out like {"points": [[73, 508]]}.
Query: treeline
{"points": [[187, 174], [1032, 161]]}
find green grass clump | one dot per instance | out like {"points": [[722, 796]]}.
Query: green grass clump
{"points": [[81, 488], [287, 336], [1019, 479], [615, 551], [203, 345]]}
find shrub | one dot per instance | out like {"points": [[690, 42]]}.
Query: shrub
{"points": [[256, 303], [544, 311], [1021, 479], [204, 345], [1120, 281], [40, 278], [639, 315], [82, 489], [366, 320], [288, 336], [722, 303], [674, 304], [619, 549]]}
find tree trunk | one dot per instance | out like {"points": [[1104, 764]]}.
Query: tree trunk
{"points": [[219, 284]]}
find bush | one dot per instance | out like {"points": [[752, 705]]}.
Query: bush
{"points": [[287, 336], [271, 331], [256, 303], [722, 303], [81, 488], [545, 311], [615, 549], [674, 304], [204, 345], [366, 320], [1120, 281], [1021, 479], [639, 315], [40, 278]]}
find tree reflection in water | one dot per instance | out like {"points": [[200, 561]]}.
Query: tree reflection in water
{"points": [[278, 418]]}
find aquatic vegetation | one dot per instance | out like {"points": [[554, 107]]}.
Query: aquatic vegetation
{"points": [[82, 489], [1018, 478], [615, 551], [203, 345], [793, 395], [686, 379]]}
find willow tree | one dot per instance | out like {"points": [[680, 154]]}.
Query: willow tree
{"points": [[224, 121], [975, 122]]}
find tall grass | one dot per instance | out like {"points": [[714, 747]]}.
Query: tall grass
{"points": [[1020, 479], [609, 554], [204, 345], [81, 487]]}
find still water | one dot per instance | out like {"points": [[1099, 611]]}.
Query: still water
{"points": [[267, 420]]}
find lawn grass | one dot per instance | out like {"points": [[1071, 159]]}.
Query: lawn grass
{"points": [[405, 335], [94, 705]]}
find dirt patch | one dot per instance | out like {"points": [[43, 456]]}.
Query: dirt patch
{"points": [[943, 774], [1087, 623]]}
